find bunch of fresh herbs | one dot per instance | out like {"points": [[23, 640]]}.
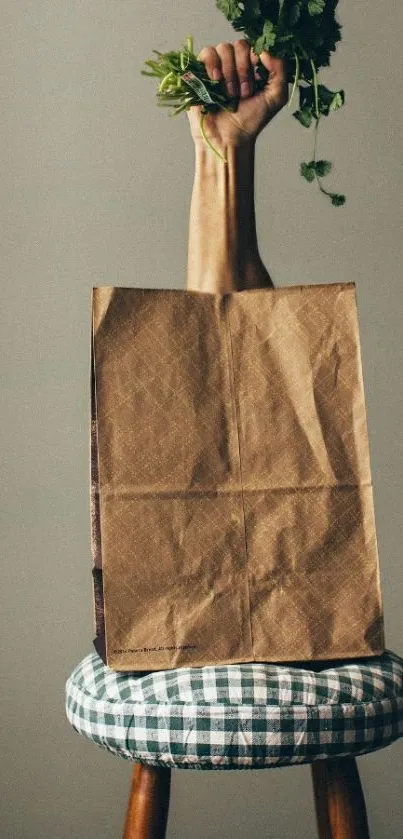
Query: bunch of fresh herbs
{"points": [[304, 32]]}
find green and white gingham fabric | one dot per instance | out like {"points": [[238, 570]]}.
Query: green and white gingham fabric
{"points": [[238, 716]]}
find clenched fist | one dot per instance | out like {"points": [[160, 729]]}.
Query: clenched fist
{"points": [[235, 65]]}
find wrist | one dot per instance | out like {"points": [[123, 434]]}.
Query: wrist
{"points": [[239, 156]]}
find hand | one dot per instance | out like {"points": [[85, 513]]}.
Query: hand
{"points": [[235, 65]]}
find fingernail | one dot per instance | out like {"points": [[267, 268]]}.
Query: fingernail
{"points": [[216, 75], [231, 88], [245, 89]]}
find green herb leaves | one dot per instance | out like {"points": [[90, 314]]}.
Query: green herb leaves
{"points": [[327, 101], [307, 28], [320, 168], [304, 32], [316, 7], [184, 82], [230, 8], [337, 200]]}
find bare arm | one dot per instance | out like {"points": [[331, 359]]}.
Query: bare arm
{"points": [[223, 251]]}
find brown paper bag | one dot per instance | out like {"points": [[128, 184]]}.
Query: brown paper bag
{"points": [[232, 513]]}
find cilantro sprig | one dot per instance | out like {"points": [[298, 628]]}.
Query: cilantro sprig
{"points": [[304, 32]]}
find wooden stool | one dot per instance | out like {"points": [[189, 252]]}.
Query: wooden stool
{"points": [[339, 801], [242, 716]]}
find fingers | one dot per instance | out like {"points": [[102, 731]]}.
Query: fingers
{"points": [[277, 67], [244, 68], [211, 61], [227, 56], [236, 64], [277, 82], [231, 63]]}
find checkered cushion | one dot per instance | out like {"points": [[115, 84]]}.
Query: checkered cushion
{"points": [[239, 716]]}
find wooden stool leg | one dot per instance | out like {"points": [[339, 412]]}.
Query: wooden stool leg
{"points": [[339, 800], [147, 811]]}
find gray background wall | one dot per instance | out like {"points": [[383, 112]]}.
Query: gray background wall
{"points": [[96, 184]]}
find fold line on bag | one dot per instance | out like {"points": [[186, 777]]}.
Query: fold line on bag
{"points": [[226, 302]]}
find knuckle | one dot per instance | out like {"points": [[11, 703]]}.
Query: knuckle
{"points": [[206, 52], [223, 45], [242, 44]]}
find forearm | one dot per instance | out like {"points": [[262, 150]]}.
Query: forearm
{"points": [[223, 252]]}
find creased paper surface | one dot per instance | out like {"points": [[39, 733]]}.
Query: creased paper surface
{"points": [[231, 500]]}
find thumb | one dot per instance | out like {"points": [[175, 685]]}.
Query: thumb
{"points": [[277, 84], [275, 66]]}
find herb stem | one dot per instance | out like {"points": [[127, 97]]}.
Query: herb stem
{"points": [[296, 79], [314, 158], [325, 191], [316, 138], [166, 81], [202, 118], [315, 85]]}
